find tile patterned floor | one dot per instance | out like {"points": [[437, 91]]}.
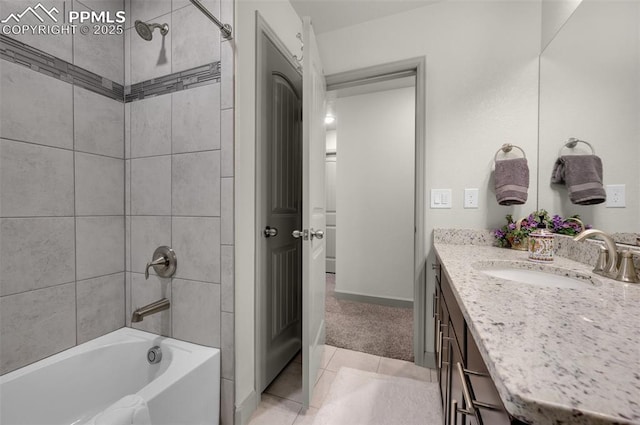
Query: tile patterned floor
{"points": [[282, 401]]}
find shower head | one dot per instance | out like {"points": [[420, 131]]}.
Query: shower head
{"points": [[145, 30]]}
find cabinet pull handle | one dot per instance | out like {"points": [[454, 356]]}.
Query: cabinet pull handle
{"points": [[433, 305], [453, 417], [439, 348], [468, 401], [441, 339], [435, 266], [487, 406], [472, 404], [474, 373]]}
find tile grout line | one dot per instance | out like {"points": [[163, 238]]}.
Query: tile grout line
{"points": [[171, 280], [75, 212], [220, 229], [40, 289], [72, 149], [127, 222]]}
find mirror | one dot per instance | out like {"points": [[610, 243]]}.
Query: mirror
{"points": [[590, 90]]}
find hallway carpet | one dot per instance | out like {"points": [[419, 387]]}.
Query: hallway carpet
{"points": [[369, 328]]}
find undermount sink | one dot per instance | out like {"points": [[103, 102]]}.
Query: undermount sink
{"points": [[535, 274]]}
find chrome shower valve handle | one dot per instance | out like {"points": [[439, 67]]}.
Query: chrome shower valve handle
{"points": [[164, 263], [157, 262]]}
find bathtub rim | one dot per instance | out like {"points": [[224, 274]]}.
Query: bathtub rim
{"points": [[200, 353]]}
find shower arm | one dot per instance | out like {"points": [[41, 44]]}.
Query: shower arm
{"points": [[164, 28], [224, 28]]}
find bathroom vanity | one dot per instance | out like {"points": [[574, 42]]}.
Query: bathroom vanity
{"points": [[520, 353], [468, 393]]}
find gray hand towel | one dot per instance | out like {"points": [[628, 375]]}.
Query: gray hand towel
{"points": [[582, 175], [512, 181]]}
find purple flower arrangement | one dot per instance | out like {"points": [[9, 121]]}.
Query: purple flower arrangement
{"points": [[513, 235]]}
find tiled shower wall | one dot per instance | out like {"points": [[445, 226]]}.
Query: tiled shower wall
{"points": [[61, 190], [112, 146], [179, 174]]}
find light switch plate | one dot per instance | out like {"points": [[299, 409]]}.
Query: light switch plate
{"points": [[616, 196], [440, 198], [471, 198]]}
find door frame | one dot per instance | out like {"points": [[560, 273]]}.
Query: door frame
{"points": [[262, 30], [383, 72]]}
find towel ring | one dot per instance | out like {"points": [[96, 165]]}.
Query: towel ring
{"points": [[572, 142], [507, 147]]}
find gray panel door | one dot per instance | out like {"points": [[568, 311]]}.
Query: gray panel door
{"points": [[282, 190]]}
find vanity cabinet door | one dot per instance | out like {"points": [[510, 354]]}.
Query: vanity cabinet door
{"points": [[455, 314], [456, 398], [444, 354], [455, 345], [442, 336], [482, 388]]}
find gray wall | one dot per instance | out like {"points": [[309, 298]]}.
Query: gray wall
{"points": [[61, 200], [179, 179]]}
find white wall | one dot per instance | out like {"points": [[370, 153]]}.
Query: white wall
{"points": [[589, 79], [554, 15], [374, 194], [481, 91], [284, 21]]}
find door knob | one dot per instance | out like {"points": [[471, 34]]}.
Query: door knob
{"points": [[316, 233], [304, 234], [270, 232]]}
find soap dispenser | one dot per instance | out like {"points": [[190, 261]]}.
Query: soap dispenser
{"points": [[541, 244]]}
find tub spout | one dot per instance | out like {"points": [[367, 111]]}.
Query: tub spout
{"points": [[150, 309]]}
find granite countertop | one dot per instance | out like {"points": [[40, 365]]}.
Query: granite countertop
{"points": [[557, 356]]}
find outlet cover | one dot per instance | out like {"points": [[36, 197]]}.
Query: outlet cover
{"points": [[440, 198], [471, 198], [616, 196]]}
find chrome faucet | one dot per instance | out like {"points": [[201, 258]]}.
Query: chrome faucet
{"points": [[625, 271], [150, 309], [611, 267]]}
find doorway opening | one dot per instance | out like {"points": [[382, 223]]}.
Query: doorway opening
{"points": [[391, 75], [370, 178]]}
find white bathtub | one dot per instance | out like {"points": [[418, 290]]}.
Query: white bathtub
{"points": [[74, 385]]}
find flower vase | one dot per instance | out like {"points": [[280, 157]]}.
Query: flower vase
{"points": [[520, 245]]}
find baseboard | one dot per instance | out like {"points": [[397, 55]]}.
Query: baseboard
{"points": [[245, 409], [391, 302]]}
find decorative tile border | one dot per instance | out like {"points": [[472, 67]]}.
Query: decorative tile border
{"points": [[17, 52], [183, 80]]}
